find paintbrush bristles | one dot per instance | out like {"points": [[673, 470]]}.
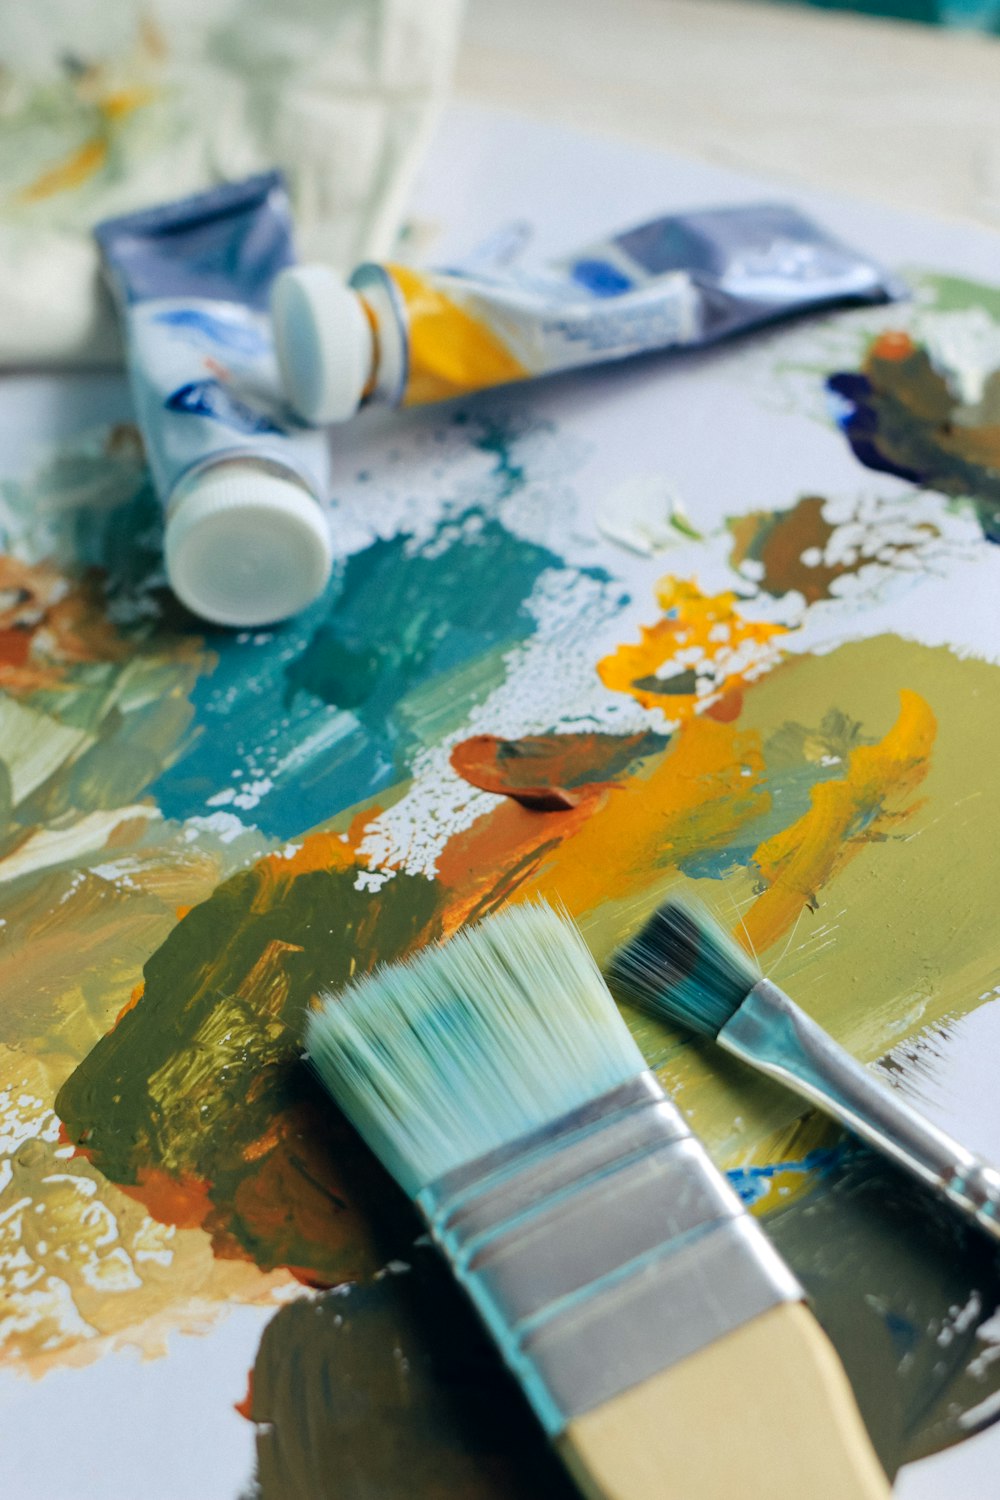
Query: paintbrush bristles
{"points": [[685, 967], [472, 1043]]}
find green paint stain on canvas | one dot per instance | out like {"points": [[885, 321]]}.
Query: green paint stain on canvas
{"points": [[956, 294], [198, 1100]]}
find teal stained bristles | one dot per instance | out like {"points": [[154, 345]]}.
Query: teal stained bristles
{"points": [[685, 967], [472, 1043]]}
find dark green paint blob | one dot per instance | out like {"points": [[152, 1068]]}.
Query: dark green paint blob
{"points": [[393, 1392], [900, 417], [201, 1083]]}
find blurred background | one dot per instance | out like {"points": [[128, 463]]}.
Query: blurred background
{"points": [[984, 14], [109, 107]]}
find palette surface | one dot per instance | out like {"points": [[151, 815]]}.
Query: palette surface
{"points": [[727, 623]]}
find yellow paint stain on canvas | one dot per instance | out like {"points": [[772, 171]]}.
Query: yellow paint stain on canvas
{"points": [[86, 160], [706, 785], [844, 817], [118, 104], [702, 650], [72, 172]]}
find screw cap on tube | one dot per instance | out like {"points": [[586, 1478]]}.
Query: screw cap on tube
{"points": [[324, 341], [246, 546]]}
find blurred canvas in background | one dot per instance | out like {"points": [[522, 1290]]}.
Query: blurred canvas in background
{"points": [[106, 108]]}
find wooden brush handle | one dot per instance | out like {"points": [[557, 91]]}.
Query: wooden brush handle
{"points": [[765, 1413]]}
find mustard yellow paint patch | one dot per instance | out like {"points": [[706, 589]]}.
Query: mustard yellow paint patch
{"points": [[706, 642], [76, 169], [845, 816], [121, 103], [697, 795]]}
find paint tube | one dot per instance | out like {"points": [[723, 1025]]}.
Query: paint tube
{"points": [[246, 541], [408, 337]]}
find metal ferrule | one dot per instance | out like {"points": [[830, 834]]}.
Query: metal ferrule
{"points": [[602, 1249], [770, 1032]]}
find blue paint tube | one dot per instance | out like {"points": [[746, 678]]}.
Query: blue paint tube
{"points": [[407, 336], [242, 481]]}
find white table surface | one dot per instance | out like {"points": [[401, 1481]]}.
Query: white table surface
{"points": [[904, 114]]}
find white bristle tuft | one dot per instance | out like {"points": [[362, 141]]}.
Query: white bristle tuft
{"points": [[472, 1043]]}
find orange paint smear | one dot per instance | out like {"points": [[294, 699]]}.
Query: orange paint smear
{"points": [[702, 636], [293, 1198], [845, 816], [483, 866], [184, 1200], [131, 1002], [245, 1407], [547, 772], [71, 173], [893, 345], [707, 784], [47, 624], [619, 838], [317, 851]]}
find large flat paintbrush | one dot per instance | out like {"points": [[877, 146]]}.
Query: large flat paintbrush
{"points": [[685, 967], [659, 1337]]}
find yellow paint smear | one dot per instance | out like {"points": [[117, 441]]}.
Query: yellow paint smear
{"points": [[704, 788], [90, 158], [450, 351], [845, 816], [75, 170], [123, 102], [700, 633]]}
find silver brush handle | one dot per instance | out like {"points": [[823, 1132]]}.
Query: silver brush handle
{"points": [[773, 1035], [602, 1249]]}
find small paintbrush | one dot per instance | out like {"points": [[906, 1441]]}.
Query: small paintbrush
{"points": [[685, 967], [659, 1337]]}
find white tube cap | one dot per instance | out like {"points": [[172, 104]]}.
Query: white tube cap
{"points": [[246, 546], [324, 343]]}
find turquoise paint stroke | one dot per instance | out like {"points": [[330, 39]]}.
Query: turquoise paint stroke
{"points": [[305, 720]]}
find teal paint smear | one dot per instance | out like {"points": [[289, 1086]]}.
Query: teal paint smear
{"points": [[497, 436], [308, 719]]}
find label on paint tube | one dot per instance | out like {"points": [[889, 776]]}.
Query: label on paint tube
{"points": [[246, 541], [206, 387], [683, 281], [193, 280]]}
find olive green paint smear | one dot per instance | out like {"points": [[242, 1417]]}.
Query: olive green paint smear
{"points": [[903, 934], [900, 417], [198, 1099]]}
